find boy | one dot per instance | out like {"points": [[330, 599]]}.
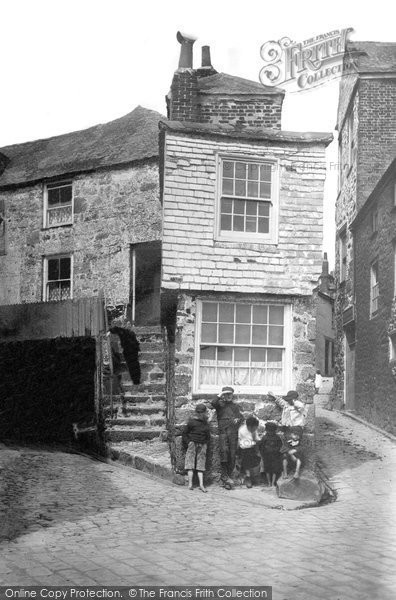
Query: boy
{"points": [[294, 411], [291, 451], [270, 450], [229, 418], [247, 440], [196, 436]]}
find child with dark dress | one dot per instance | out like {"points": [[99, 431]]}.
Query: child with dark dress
{"points": [[196, 436], [270, 450]]}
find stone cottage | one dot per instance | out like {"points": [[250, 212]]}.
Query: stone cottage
{"points": [[242, 240], [366, 124]]}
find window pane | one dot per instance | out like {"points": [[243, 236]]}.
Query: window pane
{"points": [[253, 172], [263, 225], [65, 268], [252, 189], [238, 223], [240, 170], [259, 335], [276, 315], [258, 355], [240, 187], [226, 206], [265, 172], [228, 169], [275, 337], [53, 291], [53, 197], [66, 194], [251, 224], [239, 207], [274, 355], [208, 352], [209, 312], [209, 332], [241, 355], [265, 190], [53, 269], [225, 223], [243, 313], [226, 334], [242, 334], [260, 314], [264, 208], [224, 354], [65, 290], [251, 208], [228, 186], [226, 312]]}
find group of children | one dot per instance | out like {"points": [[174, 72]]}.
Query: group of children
{"points": [[239, 439]]}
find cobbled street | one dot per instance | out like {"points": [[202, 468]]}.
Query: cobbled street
{"points": [[70, 520]]}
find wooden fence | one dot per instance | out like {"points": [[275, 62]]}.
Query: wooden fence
{"points": [[46, 320]]}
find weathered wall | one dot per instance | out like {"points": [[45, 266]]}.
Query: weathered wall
{"points": [[193, 258], [375, 382], [251, 112], [112, 209], [324, 329]]}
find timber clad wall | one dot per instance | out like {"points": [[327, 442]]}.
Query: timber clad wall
{"points": [[112, 209], [193, 260]]}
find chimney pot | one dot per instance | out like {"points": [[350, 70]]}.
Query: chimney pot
{"points": [[186, 51], [206, 62]]}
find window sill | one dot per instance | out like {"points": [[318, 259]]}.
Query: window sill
{"points": [[247, 243], [57, 226]]}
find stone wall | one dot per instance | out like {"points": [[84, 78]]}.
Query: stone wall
{"points": [[302, 372], [375, 381], [112, 209], [196, 258], [251, 112]]}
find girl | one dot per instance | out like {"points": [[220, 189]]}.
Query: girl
{"points": [[196, 437]]}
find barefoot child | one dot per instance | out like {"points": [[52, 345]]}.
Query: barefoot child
{"points": [[291, 450], [195, 438], [247, 440], [270, 450]]}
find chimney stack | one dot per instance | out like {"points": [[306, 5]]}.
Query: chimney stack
{"points": [[186, 50], [325, 265], [206, 62]]}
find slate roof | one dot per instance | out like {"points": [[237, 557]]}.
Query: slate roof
{"points": [[373, 57], [230, 85], [248, 133], [133, 137]]}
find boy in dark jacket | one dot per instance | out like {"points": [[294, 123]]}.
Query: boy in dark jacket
{"points": [[229, 419], [196, 437]]}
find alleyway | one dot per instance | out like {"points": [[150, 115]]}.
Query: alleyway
{"points": [[66, 519]]}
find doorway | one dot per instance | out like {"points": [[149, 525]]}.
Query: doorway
{"points": [[145, 283]]}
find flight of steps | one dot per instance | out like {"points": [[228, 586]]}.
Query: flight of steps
{"points": [[139, 411]]}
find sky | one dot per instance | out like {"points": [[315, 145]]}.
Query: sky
{"points": [[70, 64]]}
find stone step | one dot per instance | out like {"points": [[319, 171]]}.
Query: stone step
{"points": [[134, 398], [143, 409], [139, 422], [156, 346], [149, 388], [125, 434]]}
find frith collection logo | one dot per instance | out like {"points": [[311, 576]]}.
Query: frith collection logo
{"points": [[304, 65]]}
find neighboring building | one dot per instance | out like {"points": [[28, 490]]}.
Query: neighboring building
{"points": [[367, 144], [374, 234], [325, 323], [81, 213], [242, 239]]}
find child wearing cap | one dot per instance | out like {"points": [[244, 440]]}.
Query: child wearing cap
{"points": [[270, 450], [196, 436], [229, 418], [247, 440], [294, 411]]}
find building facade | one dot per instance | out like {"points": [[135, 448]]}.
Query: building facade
{"points": [[366, 125], [241, 242]]}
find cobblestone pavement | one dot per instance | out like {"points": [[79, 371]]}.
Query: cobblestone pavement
{"points": [[69, 520]]}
